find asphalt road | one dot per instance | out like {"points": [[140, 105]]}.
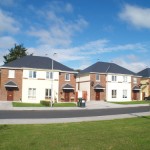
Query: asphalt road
{"points": [[37, 114]]}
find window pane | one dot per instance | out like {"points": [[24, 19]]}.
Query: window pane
{"points": [[67, 77], [47, 75], [34, 74], [30, 74], [97, 76]]}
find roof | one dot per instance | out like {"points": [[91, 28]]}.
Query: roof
{"points": [[136, 88], [98, 87], [67, 86], [145, 73], [37, 62], [10, 84], [105, 67]]}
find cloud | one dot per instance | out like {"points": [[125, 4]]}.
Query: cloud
{"points": [[134, 66], [57, 31], [6, 42], [7, 23], [136, 16]]}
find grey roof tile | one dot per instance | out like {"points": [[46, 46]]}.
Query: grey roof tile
{"points": [[145, 73], [105, 67], [37, 62]]}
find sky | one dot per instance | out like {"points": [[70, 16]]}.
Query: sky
{"points": [[81, 32]]}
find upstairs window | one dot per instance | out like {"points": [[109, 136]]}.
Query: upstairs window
{"points": [[32, 74], [114, 78], [67, 77], [135, 80], [124, 78], [11, 74], [97, 77], [49, 75]]}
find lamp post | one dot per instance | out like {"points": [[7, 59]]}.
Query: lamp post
{"points": [[52, 81]]}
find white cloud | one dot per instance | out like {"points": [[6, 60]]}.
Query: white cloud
{"points": [[134, 66], [8, 23], [57, 31], [136, 16], [6, 42]]}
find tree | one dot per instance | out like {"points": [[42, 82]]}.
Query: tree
{"points": [[16, 52]]}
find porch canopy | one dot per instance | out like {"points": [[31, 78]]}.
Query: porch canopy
{"points": [[67, 87], [136, 88], [10, 84], [98, 87]]}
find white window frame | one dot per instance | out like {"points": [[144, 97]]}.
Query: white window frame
{"points": [[49, 75], [97, 76], [125, 78], [32, 74], [67, 77], [31, 93], [124, 94], [114, 93], [47, 93], [135, 80], [11, 73], [114, 78]]}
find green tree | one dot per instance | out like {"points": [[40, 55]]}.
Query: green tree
{"points": [[16, 52]]}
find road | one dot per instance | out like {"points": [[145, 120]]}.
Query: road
{"points": [[37, 114]]}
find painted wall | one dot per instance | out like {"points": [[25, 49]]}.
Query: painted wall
{"points": [[83, 84], [40, 83], [118, 85]]}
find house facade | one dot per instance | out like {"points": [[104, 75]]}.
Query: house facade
{"points": [[31, 79], [145, 82], [110, 82]]}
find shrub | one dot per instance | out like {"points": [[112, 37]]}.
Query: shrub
{"points": [[45, 102]]}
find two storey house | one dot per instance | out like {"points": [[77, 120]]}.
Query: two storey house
{"points": [[108, 81], [34, 78], [145, 82]]}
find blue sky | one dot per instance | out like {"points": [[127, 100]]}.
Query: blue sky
{"points": [[81, 32]]}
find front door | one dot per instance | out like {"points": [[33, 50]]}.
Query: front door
{"points": [[97, 95], [135, 95], [67, 96], [10, 94]]}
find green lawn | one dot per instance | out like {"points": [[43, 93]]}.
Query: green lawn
{"points": [[64, 105], [133, 102], [124, 134], [20, 104]]}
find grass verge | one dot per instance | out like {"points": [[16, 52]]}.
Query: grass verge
{"points": [[124, 134], [64, 105], [132, 102], [20, 104]]}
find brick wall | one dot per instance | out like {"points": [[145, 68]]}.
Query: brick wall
{"points": [[17, 94], [102, 82], [62, 82], [132, 85]]}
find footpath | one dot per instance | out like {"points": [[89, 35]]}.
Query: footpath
{"points": [[89, 105]]}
